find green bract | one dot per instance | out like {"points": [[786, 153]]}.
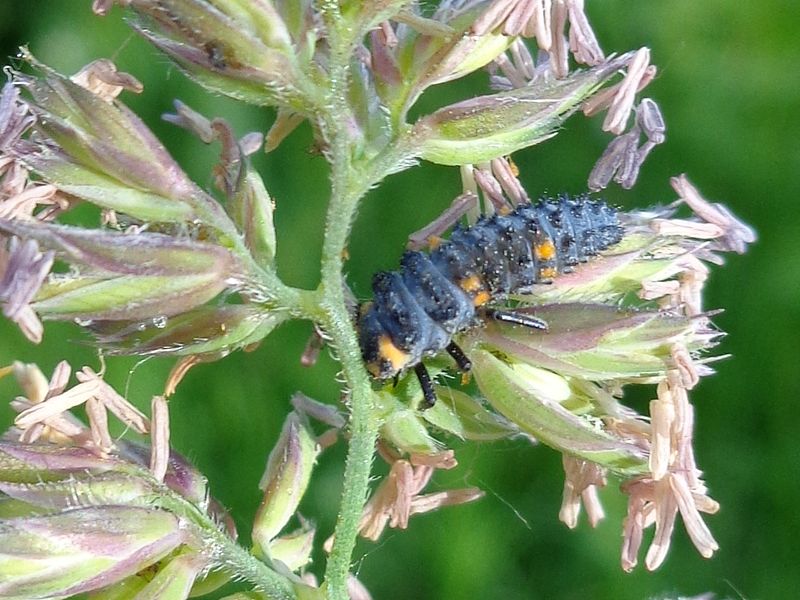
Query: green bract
{"points": [[128, 276], [105, 154], [523, 395], [251, 209], [462, 415], [246, 52], [284, 481], [78, 550], [488, 127], [206, 330]]}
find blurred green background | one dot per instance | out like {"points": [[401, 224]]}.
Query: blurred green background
{"points": [[729, 89]]}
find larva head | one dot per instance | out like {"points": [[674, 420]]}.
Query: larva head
{"points": [[382, 357]]}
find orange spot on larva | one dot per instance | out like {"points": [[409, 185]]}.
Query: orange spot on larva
{"points": [[388, 351], [545, 250], [481, 298], [548, 272], [472, 283], [434, 241]]}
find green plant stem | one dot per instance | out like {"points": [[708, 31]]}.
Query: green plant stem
{"points": [[363, 426], [348, 185], [225, 552], [274, 585], [350, 180]]}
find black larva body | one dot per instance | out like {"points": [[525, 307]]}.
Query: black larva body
{"points": [[416, 311]]}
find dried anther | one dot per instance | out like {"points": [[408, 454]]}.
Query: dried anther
{"points": [[621, 104], [44, 411], [547, 21], [159, 457], [398, 496], [650, 119], [23, 270], [623, 157], [228, 173], [735, 233], [581, 483], [102, 78], [15, 118], [114, 402], [674, 484]]}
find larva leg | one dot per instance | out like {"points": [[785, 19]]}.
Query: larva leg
{"points": [[426, 384], [515, 318], [464, 364]]}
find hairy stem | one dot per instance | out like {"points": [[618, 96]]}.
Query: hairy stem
{"points": [[348, 185], [226, 552], [363, 434], [350, 180], [239, 561]]}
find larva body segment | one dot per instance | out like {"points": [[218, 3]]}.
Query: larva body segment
{"points": [[416, 311]]}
